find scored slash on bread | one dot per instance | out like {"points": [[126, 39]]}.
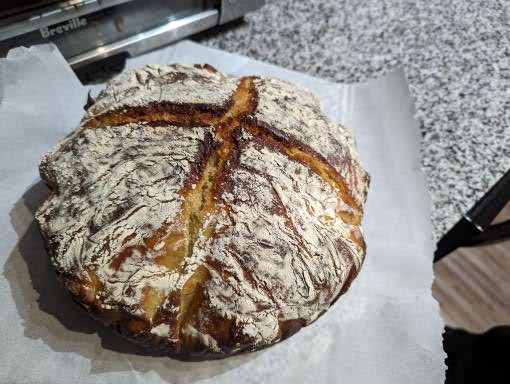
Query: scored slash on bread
{"points": [[204, 214]]}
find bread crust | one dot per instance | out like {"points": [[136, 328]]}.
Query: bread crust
{"points": [[203, 215]]}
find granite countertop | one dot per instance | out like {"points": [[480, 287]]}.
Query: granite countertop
{"points": [[456, 55]]}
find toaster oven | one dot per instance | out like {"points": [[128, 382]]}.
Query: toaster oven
{"points": [[86, 31]]}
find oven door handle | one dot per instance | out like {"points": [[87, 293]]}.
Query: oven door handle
{"points": [[153, 38]]}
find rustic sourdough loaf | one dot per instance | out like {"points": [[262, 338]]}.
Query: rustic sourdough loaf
{"points": [[203, 214]]}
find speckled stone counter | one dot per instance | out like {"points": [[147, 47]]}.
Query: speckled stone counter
{"points": [[456, 55]]}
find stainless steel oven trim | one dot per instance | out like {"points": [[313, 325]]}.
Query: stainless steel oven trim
{"points": [[172, 31], [54, 14]]}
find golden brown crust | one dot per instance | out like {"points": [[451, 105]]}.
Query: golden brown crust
{"points": [[209, 210], [160, 113]]}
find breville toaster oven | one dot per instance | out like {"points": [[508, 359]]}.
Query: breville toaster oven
{"points": [[86, 31]]}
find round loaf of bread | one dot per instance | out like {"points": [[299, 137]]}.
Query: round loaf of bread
{"points": [[203, 214]]}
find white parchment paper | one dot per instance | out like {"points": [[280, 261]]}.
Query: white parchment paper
{"points": [[386, 329]]}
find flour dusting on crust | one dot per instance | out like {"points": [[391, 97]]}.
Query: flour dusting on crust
{"points": [[115, 187], [268, 248], [285, 251], [170, 84], [297, 113]]}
